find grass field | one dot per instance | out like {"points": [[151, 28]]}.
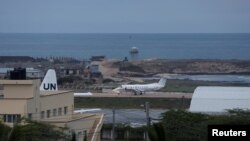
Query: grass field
{"points": [[123, 103], [188, 86]]}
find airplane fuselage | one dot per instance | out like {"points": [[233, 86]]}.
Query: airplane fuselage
{"points": [[142, 87]]}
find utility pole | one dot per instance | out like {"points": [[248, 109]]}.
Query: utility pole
{"points": [[113, 126], [148, 119]]}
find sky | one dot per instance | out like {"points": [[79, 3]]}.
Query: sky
{"points": [[124, 16]]}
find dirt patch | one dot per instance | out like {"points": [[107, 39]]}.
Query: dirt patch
{"points": [[187, 66]]}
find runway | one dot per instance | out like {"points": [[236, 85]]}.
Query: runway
{"points": [[134, 117], [146, 95]]}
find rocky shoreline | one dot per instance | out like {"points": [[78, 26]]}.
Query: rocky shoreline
{"points": [[193, 66], [116, 72], [142, 68]]}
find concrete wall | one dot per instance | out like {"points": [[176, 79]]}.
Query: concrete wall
{"points": [[19, 88], [20, 97], [10, 106], [81, 127], [57, 101], [84, 125], [24, 97]]}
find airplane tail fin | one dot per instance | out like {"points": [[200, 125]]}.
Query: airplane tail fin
{"points": [[117, 90], [49, 82], [162, 81]]}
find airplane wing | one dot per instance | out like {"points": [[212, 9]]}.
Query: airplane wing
{"points": [[82, 94], [139, 90], [136, 90]]}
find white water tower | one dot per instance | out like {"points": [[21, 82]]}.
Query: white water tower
{"points": [[134, 53]]}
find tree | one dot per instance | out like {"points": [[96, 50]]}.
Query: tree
{"points": [[180, 125], [157, 133], [4, 131], [36, 131], [73, 137]]}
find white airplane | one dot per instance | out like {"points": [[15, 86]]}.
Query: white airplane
{"points": [[142, 88], [49, 82]]}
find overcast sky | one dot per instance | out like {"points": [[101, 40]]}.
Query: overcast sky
{"points": [[125, 16]]}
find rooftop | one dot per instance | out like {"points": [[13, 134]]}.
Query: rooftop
{"points": [[220, 99], [73, 118], [49, 93], [16, 82]]}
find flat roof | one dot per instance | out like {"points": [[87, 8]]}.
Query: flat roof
{"points": [[16, 82], [220, 92], [49, 93], [5, 70], [74, 117], [220, 99]]}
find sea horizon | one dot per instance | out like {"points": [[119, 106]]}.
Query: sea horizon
{"points": [[124, 32], [233, 46]]}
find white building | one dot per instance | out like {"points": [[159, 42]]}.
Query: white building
{"points": [[219, 99], [4, 71], [34, 73], [30, 73]]}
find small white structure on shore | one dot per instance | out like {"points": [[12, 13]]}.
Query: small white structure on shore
{"points": [[134, 50], [134, 53], [219, 99]]}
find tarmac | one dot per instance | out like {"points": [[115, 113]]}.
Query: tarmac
{"points": [[136, 117], [146, 95]]}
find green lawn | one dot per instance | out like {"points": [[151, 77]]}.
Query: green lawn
{"points": [[122, 103], [188, 86]]}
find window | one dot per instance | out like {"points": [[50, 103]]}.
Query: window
{"points": [[54, 112], [9, 118], [59, 111], [29, 116], [65, 110], [85, 135], [42, 115], [18, 118], [12, 118], [79, 136], [4, 118], [48, 113]]}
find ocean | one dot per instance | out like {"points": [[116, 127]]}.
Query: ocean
{"points": [[117, 46]]}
